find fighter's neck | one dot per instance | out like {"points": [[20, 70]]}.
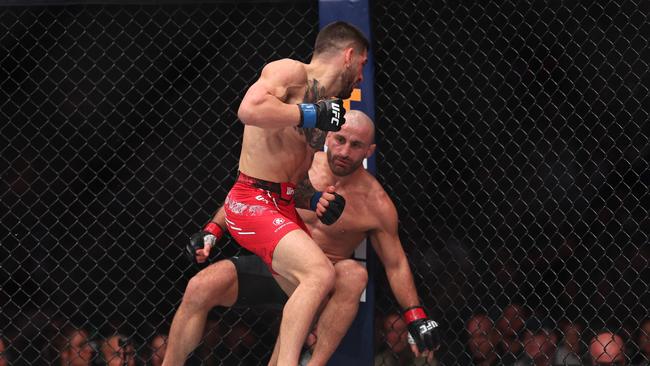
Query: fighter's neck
{"points": [[325, 75], [343, 180]]}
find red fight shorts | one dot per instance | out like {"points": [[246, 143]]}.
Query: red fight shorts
{"points": [[260, 213]]}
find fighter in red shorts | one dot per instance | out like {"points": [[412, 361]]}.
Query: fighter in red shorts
{"points": [[259, 214], [287, 113]]}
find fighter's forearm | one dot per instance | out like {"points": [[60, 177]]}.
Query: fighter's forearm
{"points": [[303, 194], [219, 217], [401, 282]]}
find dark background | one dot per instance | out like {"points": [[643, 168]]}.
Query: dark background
{"points": [[512, 136]]}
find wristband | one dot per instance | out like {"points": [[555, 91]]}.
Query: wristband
{"points": [[314, 200], [308, 115], [414, 313], [214, 229]]}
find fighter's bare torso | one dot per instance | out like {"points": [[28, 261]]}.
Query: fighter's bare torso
{"points": [[362, 194], [284, 154]]}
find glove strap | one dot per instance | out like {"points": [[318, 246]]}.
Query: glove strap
{"points": [[314, 200], [214, 229], [414, 313], [308, 115]]}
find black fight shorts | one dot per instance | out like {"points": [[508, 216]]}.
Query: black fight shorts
{"points": [[257, 287]]}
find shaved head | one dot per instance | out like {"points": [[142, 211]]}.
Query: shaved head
{"points": [[361, 123], [607, 347], [479, 324], [354, 142]]}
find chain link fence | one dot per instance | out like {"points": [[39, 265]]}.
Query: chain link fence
{"points": [[512, 136], [119, 136]]}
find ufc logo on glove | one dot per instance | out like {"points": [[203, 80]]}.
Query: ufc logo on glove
{"points": [[336, 113]]}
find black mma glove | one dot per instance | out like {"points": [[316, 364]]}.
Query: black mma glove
{"points": [[423, 331], [210, 234], [334, 210], [326, 115]]}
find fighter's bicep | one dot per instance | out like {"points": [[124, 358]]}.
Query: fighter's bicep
{"points": [[387, 245], [385, 237]]}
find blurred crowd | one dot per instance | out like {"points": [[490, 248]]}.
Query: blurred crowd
{"points": [[74, 346], [515, 337], [519, 338], [71, 345]]}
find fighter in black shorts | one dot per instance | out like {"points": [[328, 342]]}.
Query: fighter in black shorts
{"points": [[256, 286], [369, 213]]}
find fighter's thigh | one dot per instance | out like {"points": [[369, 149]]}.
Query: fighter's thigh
{"points": [[350, 275], [297, 257], [215, 285]]}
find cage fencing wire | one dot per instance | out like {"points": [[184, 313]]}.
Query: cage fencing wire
{"points": [[512, 137]]}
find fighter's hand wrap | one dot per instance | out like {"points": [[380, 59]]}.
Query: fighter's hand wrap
{"points": [[326, 115], [333, 211], [210, 234], [423, 331]]}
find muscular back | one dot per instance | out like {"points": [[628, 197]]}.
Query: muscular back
{"points": [[280, 154], [365, 201]]}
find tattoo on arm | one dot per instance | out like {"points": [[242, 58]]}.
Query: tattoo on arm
{"points": [[314, 137], [303, 194]]}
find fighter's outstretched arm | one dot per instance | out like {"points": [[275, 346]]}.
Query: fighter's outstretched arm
{"points": [[423, 333], [386, 242]]}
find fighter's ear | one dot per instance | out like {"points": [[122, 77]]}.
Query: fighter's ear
{"points": [[371, 150], [348, 53]]}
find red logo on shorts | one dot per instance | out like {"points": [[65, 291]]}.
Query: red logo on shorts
{"points": [[278, 221]]}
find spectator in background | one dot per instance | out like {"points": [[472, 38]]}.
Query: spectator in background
{"points": [[510, 324], [570, 352], [4, 352], [539, 347], [118, 350], [157, 348], [72, 347], [483, 340], [643, 342], [398, 352], [240, 340], [607, 349]]}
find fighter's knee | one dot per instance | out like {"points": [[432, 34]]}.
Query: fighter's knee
{"points": [[196, 292], [210, 287], [351, 276], [323, 275]]}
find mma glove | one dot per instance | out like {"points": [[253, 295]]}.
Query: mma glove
{"points": [[333, 211], [210, 235], [326, 115], [423, 331]]}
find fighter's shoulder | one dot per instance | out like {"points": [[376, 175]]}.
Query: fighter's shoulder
{"points": [[378, 199], [286, 70]]}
